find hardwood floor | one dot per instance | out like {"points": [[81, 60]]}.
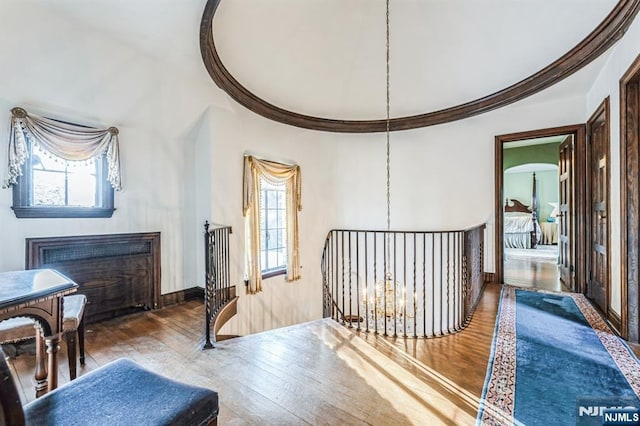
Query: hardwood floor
{"points": [[457, 363], [525, 273], [314, 373]]}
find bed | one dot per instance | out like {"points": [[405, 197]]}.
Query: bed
{"points": [[521, 227]]}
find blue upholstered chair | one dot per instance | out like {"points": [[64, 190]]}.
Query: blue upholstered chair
{"points": [[118, 393]]}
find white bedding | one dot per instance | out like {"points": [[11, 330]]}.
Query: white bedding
{"points": [[517, 229], [518, 222]]}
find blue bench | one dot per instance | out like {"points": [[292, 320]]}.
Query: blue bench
{"points": [[118, 393]]}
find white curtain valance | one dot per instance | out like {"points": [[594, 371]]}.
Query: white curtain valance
{"points": [[70, 142]]}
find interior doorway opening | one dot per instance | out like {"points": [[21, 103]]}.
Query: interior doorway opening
{"points": [[538, 208], [531, 212]]}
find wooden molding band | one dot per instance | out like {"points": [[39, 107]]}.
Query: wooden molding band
{"points": [[610, 30]]}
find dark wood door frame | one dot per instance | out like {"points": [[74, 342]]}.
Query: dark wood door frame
{"points": [[630, 201], [579, 133]]}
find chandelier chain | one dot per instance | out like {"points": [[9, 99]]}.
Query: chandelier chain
{"points": [[388, 129]]}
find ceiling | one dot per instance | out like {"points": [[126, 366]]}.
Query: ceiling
{"points": [[327, 58]]}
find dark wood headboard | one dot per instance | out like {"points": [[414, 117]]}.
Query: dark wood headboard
{"points": [[514, 205], [118, 273]]}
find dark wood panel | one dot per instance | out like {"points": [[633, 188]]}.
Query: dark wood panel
{"points": [[599, 225], [630, 201], [610, 30], [118, 273], [566, 244], [473, 269], [489, 277]]}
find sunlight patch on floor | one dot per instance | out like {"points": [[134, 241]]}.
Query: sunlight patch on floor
{"points": [[421, 402]]}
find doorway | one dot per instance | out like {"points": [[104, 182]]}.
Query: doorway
{"points": [[551, 209]]}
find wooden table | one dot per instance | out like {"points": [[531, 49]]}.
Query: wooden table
{"points": [[38, 294]]}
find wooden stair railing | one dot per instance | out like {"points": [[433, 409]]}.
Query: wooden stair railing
{"points": [[220, 296]]}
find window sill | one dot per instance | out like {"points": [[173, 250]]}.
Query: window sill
{"points": [[272, 274], [62, 212]]}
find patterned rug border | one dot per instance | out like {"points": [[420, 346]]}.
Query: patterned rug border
{"points": [[498, 394], [497, 402]]}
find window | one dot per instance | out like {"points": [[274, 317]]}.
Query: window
{"points": [[53, 187], [59, 169], [271, 200], [273, 228]]}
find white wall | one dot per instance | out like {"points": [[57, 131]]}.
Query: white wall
{"points": [[608, 84]]}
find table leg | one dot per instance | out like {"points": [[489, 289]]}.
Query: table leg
{"points": [[52, 350], [41, 369]]}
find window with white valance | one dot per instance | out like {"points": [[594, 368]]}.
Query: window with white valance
{"points": [[59, 169]]}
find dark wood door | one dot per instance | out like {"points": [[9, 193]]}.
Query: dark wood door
{"points": [[630, 202], [598, 175], [565, 209]]}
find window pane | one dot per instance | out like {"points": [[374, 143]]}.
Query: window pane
{"points": [[45, 161], [281, 238], [273, 259], [263, 240], [272, 199], [82, 189], [273, 239], [273, 225], [272, 219], [48, 188], [57, 182]]}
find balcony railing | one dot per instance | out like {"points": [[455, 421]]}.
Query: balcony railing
{"points": [[218, 291], [401, 283]]}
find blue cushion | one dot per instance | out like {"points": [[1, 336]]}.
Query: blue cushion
{"points": [[123, 393]]}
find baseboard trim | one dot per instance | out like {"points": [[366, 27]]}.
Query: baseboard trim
{"points": [[182, 296], [488, 277], [615, 321]]}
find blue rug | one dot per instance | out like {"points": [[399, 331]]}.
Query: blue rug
{"points": [[554, 361]]}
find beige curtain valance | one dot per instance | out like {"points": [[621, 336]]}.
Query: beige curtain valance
{"points": [[276, 173], [68, 141]]}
